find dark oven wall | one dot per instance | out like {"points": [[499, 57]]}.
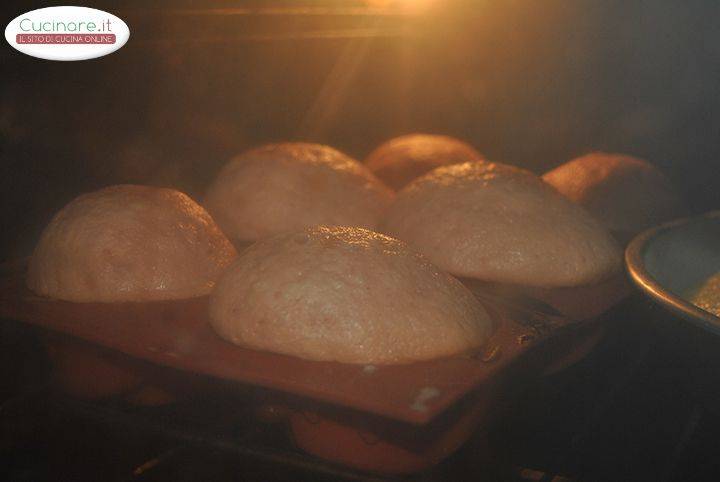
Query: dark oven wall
{"points": [[530, 83]]}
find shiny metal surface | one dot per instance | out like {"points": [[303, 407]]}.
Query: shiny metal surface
{"points": [[668, 261]]}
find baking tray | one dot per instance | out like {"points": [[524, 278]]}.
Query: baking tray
{"points": [[177, 334]]}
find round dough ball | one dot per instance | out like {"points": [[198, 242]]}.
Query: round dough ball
{"points": [[626, 194], [129, 243], [402, 159], [286, 187], [348, 295], [499, 223]]}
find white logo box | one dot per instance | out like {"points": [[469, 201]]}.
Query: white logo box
{"points": [[67, 33]]}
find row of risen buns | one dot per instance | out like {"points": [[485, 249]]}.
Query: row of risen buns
{"points": [[344, 293]]}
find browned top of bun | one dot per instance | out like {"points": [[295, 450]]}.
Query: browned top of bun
{"points": [[285, 187], [348, 295], [402, 159], [499, 223], [625, 193], [129, 243]]}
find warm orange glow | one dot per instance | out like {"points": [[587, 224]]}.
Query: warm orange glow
{"points": [[412, 6]]}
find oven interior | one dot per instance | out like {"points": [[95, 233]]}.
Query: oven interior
{"points": [[528, 83]]}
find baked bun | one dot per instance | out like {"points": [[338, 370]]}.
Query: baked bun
{"points": [[129, 243], [291, 186], [627, 194], [348, 295], [499, 223], [402, 159]]}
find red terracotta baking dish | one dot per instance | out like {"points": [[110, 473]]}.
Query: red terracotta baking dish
{"points": [[414, 414]]}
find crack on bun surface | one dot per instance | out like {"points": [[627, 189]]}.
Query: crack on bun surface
{"points": [[348, 295]]}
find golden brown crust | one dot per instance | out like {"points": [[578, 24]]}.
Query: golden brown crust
{"points": [[285, 187], [627, 194], [129, 243], [499, 223], [347, 295], [402, 159]]}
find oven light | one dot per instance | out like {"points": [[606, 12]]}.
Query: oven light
{"points": [[410, 6]]}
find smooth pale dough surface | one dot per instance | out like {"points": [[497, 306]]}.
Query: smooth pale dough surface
{"points": [[348, 295], [499, 223], [129, 243], [286, 187], [625, 193], [402, 159]]}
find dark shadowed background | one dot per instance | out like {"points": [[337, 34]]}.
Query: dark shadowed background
{"points": [[528, 82]]}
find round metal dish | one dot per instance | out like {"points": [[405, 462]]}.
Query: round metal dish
{"points": [[669, 261]]}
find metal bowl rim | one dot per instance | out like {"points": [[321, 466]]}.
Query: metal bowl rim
{"points": [[634, 261]]}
